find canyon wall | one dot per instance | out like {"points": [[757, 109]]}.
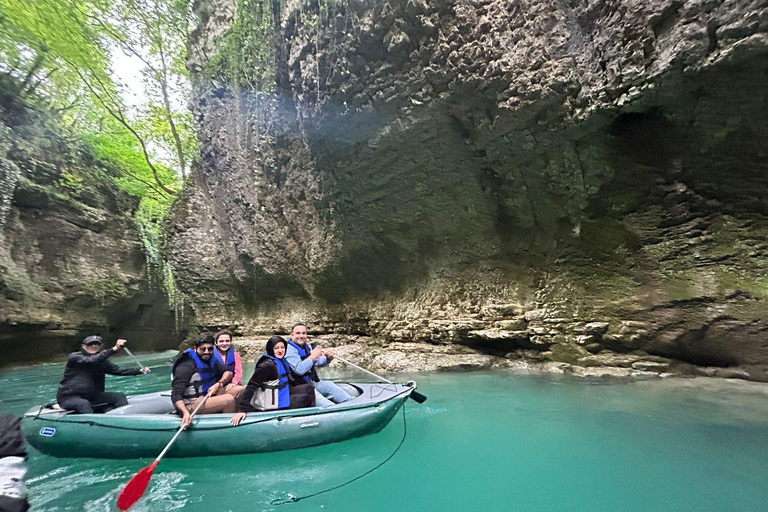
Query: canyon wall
{"points": [[71, 257], [574, 181]]}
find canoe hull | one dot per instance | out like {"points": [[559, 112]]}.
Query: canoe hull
{"points": [[145, 435]]}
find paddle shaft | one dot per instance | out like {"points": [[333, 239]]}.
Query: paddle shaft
{"points": [[133, 356], [181, 429], [362, 369], [136, 486], [417, 397]]}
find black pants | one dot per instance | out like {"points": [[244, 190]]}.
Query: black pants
{"points": [[102, 402]]}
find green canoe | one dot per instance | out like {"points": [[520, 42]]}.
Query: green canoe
{"points": [[144, 426]]}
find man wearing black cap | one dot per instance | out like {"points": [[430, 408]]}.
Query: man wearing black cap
{"points": [[82, 388]]}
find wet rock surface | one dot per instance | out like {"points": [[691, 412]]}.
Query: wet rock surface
{"points": [[71, 261], [568, 181], [387, 357]]}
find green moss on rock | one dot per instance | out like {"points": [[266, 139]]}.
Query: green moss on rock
{"points": [[107, 288], [566, 351]]}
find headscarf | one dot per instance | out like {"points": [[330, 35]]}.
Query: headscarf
{"points": [[271, 342]]}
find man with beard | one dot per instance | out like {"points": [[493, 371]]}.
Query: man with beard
{"points": [[196, 373]]}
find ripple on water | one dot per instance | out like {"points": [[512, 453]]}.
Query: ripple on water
{"points": [[557, 444], [422, 411], [63, 486], [165, 492]]}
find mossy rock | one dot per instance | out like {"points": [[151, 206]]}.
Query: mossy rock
{"points": [[567, 352], [106, 289], [608, 239]]}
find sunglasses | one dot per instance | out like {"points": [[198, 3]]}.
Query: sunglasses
{"points": [[206, 349]]}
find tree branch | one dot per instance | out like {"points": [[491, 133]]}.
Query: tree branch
{"points": [[120, 117], [42, 79], [167, 103], [36, 64]]}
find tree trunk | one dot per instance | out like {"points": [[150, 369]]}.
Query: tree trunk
{"points": [[169, 111]]}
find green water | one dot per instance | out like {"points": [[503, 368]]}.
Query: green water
{"points": [[483, 441]]}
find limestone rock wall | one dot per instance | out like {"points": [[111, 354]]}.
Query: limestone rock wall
{"points": [[560, 179], [71, 261]]}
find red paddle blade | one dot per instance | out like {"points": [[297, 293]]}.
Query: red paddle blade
{"points": [[135, 488]]}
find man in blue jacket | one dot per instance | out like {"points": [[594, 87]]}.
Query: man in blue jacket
{"points": [[196, 374], [82, 388], [304, 359]]}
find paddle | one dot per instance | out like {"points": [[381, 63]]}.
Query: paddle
{"points": [[138, 484], [133, 356], [416, 396]]}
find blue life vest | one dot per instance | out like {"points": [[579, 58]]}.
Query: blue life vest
{"points": [[304, 351], [202, 380], [230, 362], [283, 372]]}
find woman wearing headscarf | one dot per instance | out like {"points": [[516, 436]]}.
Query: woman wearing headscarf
{"points": [[273, 385]]}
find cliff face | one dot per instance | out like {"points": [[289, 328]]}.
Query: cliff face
{"points": [[71, 261], [564, 180]]}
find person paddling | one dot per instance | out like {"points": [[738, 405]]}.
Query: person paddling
{"points": [[196, 373], [273, 384], [82, 388], [225, 353]]}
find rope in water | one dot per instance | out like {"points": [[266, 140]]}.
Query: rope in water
{"points": [[295, 499]]}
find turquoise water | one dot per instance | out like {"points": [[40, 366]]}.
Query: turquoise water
{"points": [[483, 441]]}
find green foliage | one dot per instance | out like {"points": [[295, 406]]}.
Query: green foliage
{"points": [[48, 44], [117, 148], [156, 32], [154, 124], [57, 54], [71, 183], [149, 221], [245, 57]]}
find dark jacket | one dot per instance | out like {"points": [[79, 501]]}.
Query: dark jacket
{"points": [[183, 372], [12, 495], [84, 374], [302, 394]]}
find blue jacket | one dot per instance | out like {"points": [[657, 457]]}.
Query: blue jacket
{"points": [[230, 361], [283, 375], [205, 375], [298, 357]]}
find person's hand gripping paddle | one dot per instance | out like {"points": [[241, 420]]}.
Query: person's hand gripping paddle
{"points": [[138, 484]]}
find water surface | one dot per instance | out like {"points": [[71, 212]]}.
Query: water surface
{"points": [[483, 441]]}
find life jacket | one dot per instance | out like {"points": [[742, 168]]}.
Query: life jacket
{"points": [[273, 394], [201, 380], [230, 361], [304, 351]]}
